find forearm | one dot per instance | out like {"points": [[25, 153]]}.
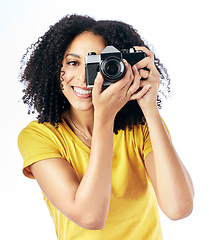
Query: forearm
{"points": [[94, 191], [172, 182]]}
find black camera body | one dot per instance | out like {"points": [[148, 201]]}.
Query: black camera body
{"points": [[110, 64]]}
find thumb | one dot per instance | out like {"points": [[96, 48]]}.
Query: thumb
{"points": [[98, 84]]}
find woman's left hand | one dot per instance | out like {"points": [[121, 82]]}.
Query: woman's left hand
{"points": [[148, 101]]}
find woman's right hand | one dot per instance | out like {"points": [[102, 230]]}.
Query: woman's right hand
{"points": [[109, 101]]}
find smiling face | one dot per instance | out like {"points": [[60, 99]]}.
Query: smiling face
{"points": [[74, 80]]}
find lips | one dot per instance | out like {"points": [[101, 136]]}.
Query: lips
{"points": [[82, 92]]}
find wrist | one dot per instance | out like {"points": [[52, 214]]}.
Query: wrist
{"points": [[151, 113], [103, 134], [103, 119]]}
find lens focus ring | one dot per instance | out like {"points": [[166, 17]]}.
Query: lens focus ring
{"points": [[112, 69]]}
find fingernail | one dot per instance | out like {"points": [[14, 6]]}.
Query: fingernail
{"points": [[135, 68], [99, 75], [124, 60]]}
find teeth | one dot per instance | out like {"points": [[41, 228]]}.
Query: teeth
{"points": [[82, 91]]}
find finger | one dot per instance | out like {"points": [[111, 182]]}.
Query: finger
{"points": [[141, 93], [127, 80], [136, 82], [129, 75], [154, 84], [147, 51], [98, 84], [146, 63], [145, 74]]}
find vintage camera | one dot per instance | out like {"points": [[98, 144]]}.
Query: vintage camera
{"points": [[110, 64]]}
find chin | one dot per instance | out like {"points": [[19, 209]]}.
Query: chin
{"points": [[82, 106]]}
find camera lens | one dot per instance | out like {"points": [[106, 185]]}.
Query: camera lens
{"points": [[112, 69]]}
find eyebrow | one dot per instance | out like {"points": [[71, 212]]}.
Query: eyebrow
{"points": [[73, 54]]}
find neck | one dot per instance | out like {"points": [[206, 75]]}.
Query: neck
{"points": [[83, 120]]}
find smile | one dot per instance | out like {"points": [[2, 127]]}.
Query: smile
{"points": [[82, 92]]}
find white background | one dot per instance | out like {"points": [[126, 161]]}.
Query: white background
{"points": [[179, 32]]}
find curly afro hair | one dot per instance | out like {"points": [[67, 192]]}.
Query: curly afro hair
{"points": [[41, 67]]}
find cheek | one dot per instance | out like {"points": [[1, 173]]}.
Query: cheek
{"points": [[66, 77], [67, 92]]}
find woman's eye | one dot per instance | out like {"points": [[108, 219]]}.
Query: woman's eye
{"points": [[72, 63]]}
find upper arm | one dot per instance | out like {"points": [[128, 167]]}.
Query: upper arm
{"points": [[59, 183], [44, 155]]}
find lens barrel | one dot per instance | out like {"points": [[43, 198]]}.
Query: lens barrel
{"points": [[112, 69]]}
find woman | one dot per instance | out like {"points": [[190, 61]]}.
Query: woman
{"points": [[103, 156]]}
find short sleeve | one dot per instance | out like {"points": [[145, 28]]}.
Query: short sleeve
{"points": [[36, 142], [147, 145]]}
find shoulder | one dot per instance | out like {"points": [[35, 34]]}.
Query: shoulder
{"points": [[36, 127], [39, 130], [141, 131], [39, 135], [138, 131], [135, 136], [38, 141]]}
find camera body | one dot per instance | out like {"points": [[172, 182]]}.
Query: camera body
{"points": [[110, 64]]}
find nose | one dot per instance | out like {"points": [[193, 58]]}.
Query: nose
{"points": [[82, 75]]}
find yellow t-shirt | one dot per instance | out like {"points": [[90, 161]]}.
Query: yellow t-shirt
{"points": [[133, 213]]}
